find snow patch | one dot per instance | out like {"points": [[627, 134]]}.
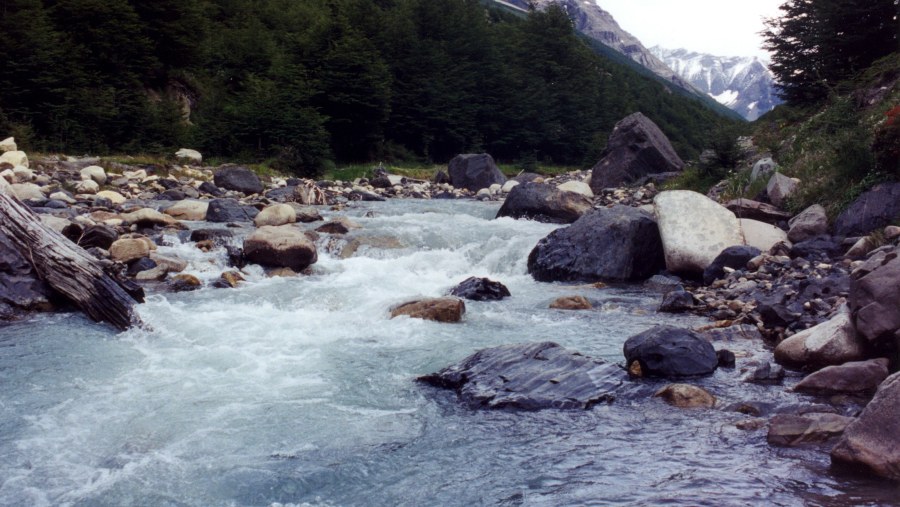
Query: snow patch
{"points": [[727, 98]]}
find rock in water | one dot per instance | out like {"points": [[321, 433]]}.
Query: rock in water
{"points": [[571, 303], [829, 343], [852, 377], [694, 230], [530, 376], [635, 149], [686, 396], [671, 352], [873, 440], [239, 179], [874, 209], [474, 172], [792, 430], [282, 246], [437, 309], [229, 210], [480, 289], [610, 244], [544, 203]]}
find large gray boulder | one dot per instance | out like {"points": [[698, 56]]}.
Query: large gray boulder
{"points": [[611, 244], [875, 298], [874, 209], [531, 376], [636, 148], [239, 179], [811, 222], [780, 188], [694, 230], [544, 203], [852, 377], [229, 210], [474, 171], [873, 440], [830, 343], [670, 352], [283, 246]]}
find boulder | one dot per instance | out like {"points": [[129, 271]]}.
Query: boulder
{"points": [[676, 300], [276, 214], [780, 188], [791, 430], [239, 179], [97, 236], [832, 342], [694, 230], [87, 187], [94, 173], [306, 214], [170, 264], [875, 209], [26, 191], [22, 174], [530, 376], [5, 187], [755, 210], [733, 257], [636, 148], [210, 188], [861, 248], [852, 377], [610, 244], [762, 168], [129, 249], [873, 439], [671, 352], [480, 289], [820, 247], [8, 144], [508, 186], [281, 246], [188, 155], [15, 158], [875, 298], [571, 303], [20, 285], [761, 235], [184, 283], [810, 223], [766, 373], [578, 187], [114, 197], [229, 210], [446, 309], [188, 210], [686, 396], [474, 172], [218, 237], [544, 203], [148, 217]]}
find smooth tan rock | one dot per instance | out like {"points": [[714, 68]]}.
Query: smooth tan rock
{"points": [[22, 174], [852, 377], [128, 249], [189, 155], [87, 187], [188, 210], [54, 222], [15, 158], [891, 232], [694, 230], [113, 196], [148, 216], [282, 246], [95, 173], [832, 342], [25, 191], [446, 309], [686, 396], [231, 278], [5, 186], [761, 235], [862, 247], [276, 214], [578, 187], [8, 144], [509, 185], [170, 264], [154, 274], [62, 196], [571, 303]]}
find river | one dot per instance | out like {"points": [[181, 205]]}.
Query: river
{"points": [[301, 391]]}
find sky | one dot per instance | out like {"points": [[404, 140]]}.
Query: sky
{"points": [[718, 27]]}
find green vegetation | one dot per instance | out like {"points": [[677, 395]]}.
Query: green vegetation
{"points": [[312, 85]]}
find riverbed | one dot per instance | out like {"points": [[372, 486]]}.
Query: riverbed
{"points": [[301, 391]]}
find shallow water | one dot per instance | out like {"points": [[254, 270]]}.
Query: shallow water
{"points": [[300, 391]]}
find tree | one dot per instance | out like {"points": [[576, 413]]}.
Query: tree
{"points": [[817, 43]]}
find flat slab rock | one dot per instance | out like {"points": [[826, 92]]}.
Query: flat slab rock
{"points": [[531, 376]]}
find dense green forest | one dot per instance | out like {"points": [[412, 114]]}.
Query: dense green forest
{"points": [[306, 83]]}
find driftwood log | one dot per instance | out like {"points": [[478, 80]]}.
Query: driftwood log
{"points": [[67, 267]]}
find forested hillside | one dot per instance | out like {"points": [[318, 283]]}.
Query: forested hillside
{"points": [[310, 82]]}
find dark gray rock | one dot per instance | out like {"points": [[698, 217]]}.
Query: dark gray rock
{"points": [[229, 210], [480, 289], [20, 286], [677, 300], [875, 209], [734, 257], [282, 194], [725, 358], [210, 189], [240, 179], [474, 172], [363, 195], [875, 299], [766, 373], [527, 177], [544, 203], [531, 376], [671, 352], [755, 210], [818, 248], [101, 236], [219, 237], [636, 148], [142, 264], [610, 244]]}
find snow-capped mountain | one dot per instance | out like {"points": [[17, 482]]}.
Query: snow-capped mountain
{"points": [[743, 84], [599, 24]]}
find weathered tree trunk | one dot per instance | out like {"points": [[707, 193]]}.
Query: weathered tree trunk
{"points": [[66, 267]]}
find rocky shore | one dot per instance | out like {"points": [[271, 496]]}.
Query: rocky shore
{"points": [[825, 297]]}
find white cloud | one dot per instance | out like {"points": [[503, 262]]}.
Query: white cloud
{"points": [[719, 27]]}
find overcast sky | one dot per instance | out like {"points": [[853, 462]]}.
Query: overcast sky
{"points": [[718, 27]]}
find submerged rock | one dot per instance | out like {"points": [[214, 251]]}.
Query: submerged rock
{"points": [[571, 303], [480, 289], [791, 430], [530, 376], [280, 246], [686, 396], [445, 309], [671, 352]]}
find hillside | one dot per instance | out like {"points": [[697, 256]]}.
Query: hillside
{"points": [[306, 84]]}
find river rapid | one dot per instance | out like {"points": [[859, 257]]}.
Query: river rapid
{"points": [[301, 391]]}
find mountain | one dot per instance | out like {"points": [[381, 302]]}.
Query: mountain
{"points": [[743, 84], [600, 25]]}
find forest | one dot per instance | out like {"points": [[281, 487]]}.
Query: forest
{"points": [[307, 84]]}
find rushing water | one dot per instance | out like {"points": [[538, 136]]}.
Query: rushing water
{"points": [[300, 391]]}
